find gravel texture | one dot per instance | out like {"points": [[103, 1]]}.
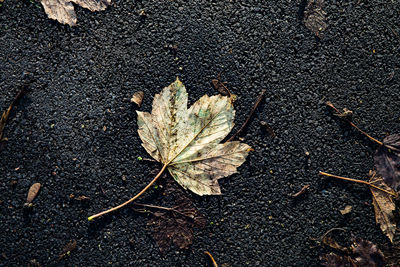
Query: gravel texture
{"points": [[84, 77]]}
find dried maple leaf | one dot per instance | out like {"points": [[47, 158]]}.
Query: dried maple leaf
{"points": [[63, 10], [187, 141], [383, 205], [387, 161], [314, 16]]}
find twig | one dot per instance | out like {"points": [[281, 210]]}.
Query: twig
{"points": [[357, 181], [132, 199], [260, 97], [6, 113], [162, 208], [211, 258], [353, 125]]}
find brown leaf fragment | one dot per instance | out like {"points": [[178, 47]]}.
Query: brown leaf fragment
{"points": [[80, 198], [34, 263], [268, 128], [32, 193], [137, 98], [367, 253], [346, 210], [383, 205], [221, 86], [63, 10], [315, 16], [387, 161], [334, 260], [67, 249], [302, 191]]}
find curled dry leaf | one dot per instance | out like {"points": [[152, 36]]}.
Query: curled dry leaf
{"points": [[384, 206], [63, 10], [314, 16], [137, 98], [387, 161], [33, 191], [187, 141]]}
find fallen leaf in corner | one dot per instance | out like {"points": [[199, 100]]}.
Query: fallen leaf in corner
{"points": [[187, 141], [63, 10], [383, 206], [387, 161]]}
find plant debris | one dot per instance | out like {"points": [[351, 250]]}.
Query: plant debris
{"points": [[258, 101], [67, 249], [384, 206], [382, 197], [137, 98], [214, 263], [346, 118], [32, 193], [302, 191], [315, 16], [387, 161], [6, 114], [268, 128], [187, 141], [222, 88], [346, 210], [63, 10], [361, 253], [175, 225]]}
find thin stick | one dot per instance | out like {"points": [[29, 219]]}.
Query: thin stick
{"points": [[260, 97], [162, 208], [356, 181], [211, 258], [355, 126], [132, 199]]}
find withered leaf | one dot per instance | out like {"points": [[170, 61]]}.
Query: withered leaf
{"points": [[387, 161], [383, 205], [367, 253], [334, 260], [63, 10], [33, 191], [137, 98], [176, 225], [187, 141], [314, 16]]}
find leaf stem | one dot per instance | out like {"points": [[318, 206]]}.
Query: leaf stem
{"points": [[356, 181], [132, 199], [353, 125]]}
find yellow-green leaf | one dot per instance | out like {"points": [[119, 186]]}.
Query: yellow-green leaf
{"points": [[188, 140]]}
